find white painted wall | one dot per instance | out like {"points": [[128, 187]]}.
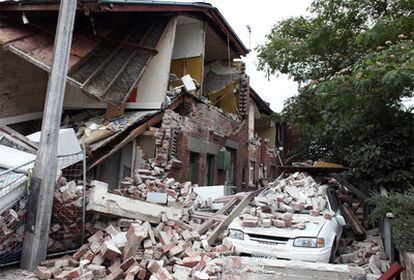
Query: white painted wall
{"points": [[189, 38], [152, 88]]}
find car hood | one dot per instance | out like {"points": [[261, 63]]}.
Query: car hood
{"points": [[313, 225]]}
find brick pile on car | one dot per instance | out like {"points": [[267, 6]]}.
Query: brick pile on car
{"points": [[294, 194]]}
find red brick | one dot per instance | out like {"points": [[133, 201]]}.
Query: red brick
{"points": [[88, 256], [109, 250], [98, 259], [142, 274], [80, 252], [48, 263], [201, 264], [128, 263], [132, 271], [154, 266], [43, 272], [111, 230], [135, 235], [168, 247], [190, 262], [116, 274], [164, 237], [75, 273], [62, 276], [176, 250], [163, 274]]}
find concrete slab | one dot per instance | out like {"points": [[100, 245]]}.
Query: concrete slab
{"points": [[156, 197], [101, 201]]}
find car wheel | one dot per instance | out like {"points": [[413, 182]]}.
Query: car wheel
{"points": [[333, 252]]}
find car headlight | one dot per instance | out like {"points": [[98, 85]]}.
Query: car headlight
{"points": [[236, 234], [309, 242]]}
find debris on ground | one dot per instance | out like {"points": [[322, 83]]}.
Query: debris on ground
{"points": [[133, 234], [368, 254], [134, 249]]}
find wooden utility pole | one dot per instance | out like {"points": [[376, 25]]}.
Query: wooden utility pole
{"points": [[43, 182]]}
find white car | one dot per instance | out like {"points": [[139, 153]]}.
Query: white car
{"points": [[316, 243]]}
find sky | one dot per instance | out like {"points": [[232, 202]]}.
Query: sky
{"points": [[261, 15]]}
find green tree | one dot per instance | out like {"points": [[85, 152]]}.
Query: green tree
{"points": [[354, 61]]}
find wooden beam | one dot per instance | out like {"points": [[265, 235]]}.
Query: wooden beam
{"points": [[227, 198], [132, 135], [353, 220], [21, 118], [207, 224], [19, 138], [206, 216], [392, 272], [130, 45], [236, 212]]}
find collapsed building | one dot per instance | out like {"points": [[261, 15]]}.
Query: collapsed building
{"points": [[148, 82]]}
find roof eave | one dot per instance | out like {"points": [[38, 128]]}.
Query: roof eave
{"points": [[138, 6]]}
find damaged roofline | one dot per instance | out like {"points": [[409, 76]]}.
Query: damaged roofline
{"points": [[209, 11], [262, 105]]}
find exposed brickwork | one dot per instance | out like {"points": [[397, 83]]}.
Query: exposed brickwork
{"points": [[207, 123], [197, 121]]}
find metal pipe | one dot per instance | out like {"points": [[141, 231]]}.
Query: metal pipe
{"points": [[84, 192]]}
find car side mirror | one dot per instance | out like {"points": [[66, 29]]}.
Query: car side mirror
{"points": [[340, 219]]}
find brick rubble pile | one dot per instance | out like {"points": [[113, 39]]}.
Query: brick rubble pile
{"points": [[66, 221], [132, 249], [295, 194], [368, 254], [12, 228], [169, 191]]}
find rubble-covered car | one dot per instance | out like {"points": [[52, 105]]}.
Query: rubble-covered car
{"points": [[300, 233]]}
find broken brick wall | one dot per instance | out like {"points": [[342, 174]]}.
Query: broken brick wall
{"points": [[202, 129]]}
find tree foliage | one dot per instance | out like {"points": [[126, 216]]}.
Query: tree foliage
{"points": [[354, 61]]}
